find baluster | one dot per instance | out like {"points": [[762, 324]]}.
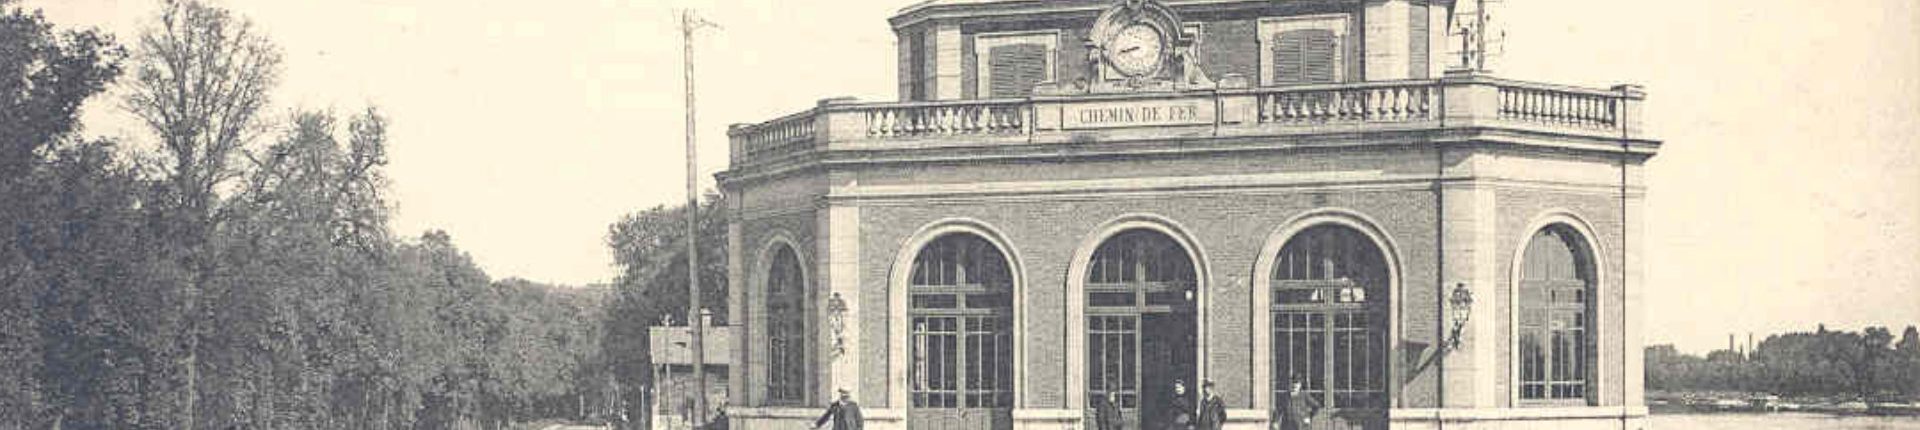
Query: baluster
{"points": [[1397, 103], [1293, 107], [932, 124], [1417, 103], [1588, 109], [1289, 107], [1308, 107], [1506, 103], [1560, 114], [1407, 102], [1532, 107], [943, 121], [1266, 108], [1282, 110], [947, 123]]}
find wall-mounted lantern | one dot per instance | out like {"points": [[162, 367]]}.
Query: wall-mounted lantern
{"points": [[1459, 309], [837, 322]]}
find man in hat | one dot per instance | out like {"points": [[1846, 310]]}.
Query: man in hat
{"points": [[1178, 408], [844, 413], [1297, 409], [1106, 411], [1213, 411]]}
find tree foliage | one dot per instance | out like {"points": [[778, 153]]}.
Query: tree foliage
{"points": [[650, 249], [216, 281], [1864, 365]]}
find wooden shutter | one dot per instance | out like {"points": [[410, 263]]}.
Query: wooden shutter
{"points": [[1014, 69], [1305, 56]]}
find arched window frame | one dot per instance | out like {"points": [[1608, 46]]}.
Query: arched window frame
{"points": [[1332, 284], [1582, 384], [785, 307], [961, 290]]}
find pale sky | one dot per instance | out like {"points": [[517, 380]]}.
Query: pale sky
{"points": [[1788, 192]]}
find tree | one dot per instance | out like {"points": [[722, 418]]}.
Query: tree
{"points": [[201, 78], [1906, 359], [63, 197], [649, 248], [45, 76]]}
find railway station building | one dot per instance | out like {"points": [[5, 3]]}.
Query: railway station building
{"points": [[1072, 199]]}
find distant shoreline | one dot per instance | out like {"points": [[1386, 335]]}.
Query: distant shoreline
{"points": [[1712, 403]]}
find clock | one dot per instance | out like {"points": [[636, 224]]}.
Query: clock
{"points": [[1137, 50]]}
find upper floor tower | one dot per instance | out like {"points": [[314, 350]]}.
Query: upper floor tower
{"points": [[990, 49]]}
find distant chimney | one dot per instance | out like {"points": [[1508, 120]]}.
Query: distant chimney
{"points": [[1730, 347]]}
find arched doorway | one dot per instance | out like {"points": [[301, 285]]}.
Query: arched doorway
{"points": [[960, 336], [1141, 325], [1329, 311]]}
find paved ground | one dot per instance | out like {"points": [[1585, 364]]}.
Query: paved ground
{"points": [[567, 427]]}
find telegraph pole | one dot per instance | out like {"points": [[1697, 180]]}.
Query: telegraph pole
{"points": [[689, 24]]}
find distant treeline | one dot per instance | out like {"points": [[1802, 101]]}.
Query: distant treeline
{"points": [[1869, 364], [233, 267]]}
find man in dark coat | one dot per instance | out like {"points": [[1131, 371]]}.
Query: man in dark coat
{"points": [[1213, 411], [1178, 408], [1106, 411], [844, 413], [1297, 410]]}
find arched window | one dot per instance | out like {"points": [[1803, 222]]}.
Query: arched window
{"points": [[961, 336], [1556, 300], [786, 330], [1330, 291], [1141, 327]]}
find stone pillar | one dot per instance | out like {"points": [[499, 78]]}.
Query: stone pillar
{"points": [[1386, 40], [737, 308], [947, 70], [838, 301], [1472, 260]]}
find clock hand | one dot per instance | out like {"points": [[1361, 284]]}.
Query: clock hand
{"points": [[1129, 49]]}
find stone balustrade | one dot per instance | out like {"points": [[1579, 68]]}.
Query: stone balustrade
{"points": [[1574, 107], [1394, 101], [1452, 102]]}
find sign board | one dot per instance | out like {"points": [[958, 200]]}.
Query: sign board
{"points": [[1137, 113]]}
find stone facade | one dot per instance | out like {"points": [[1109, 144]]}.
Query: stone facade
{"points": [[1449, 175]]}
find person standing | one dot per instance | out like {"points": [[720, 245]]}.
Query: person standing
{"points": [[1179, 408], [1106, 411], [1213, 411], [844, 413], [1297, 410]]}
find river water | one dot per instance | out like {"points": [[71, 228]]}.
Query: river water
{"points": [[1780, 421]]}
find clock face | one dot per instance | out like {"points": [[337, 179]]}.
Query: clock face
{"points": [[1136, 50]]}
